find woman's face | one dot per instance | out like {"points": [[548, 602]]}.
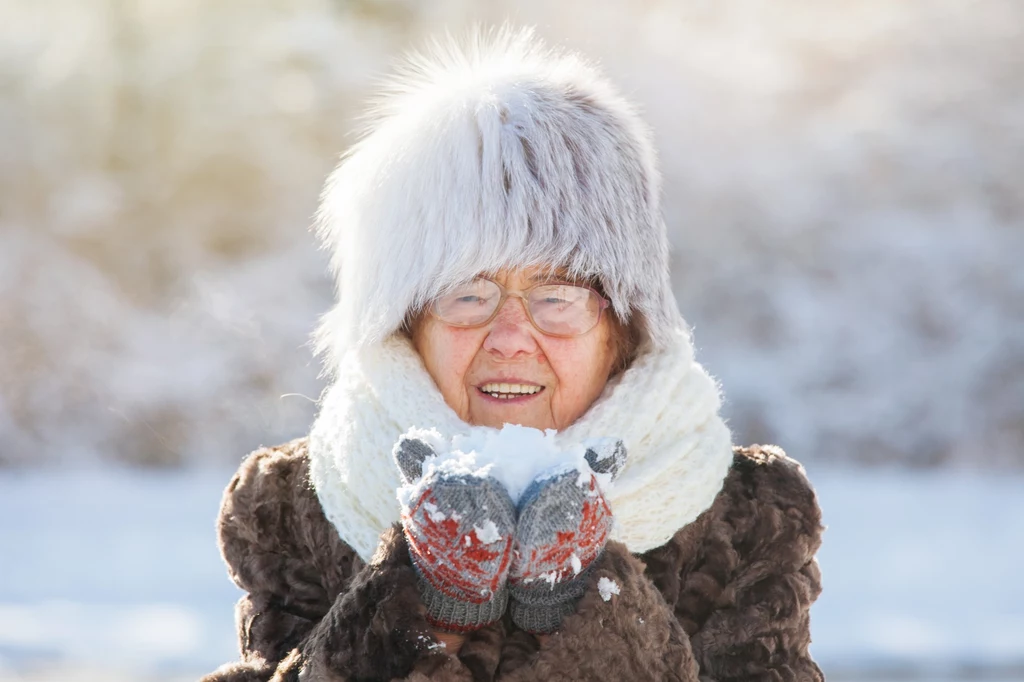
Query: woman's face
{"points": [[570, 373]]}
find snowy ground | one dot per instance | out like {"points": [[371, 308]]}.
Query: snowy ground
{"points": [[115, 576]]}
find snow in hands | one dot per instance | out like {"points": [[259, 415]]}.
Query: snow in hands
{"points": [[557, 518], [515, 456]]}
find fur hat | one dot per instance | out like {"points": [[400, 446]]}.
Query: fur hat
{"points": [[496, 153]]}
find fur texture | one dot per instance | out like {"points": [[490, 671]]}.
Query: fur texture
{"points": [[678, 453], [727, 598], [495, 153]]}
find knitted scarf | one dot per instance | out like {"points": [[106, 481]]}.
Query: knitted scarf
{"points": [[664, 408]]}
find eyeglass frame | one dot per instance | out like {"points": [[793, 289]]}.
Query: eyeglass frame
{"points": [[522, 294]]}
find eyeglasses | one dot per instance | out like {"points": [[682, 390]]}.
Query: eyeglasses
{"points": [[564, 310]]}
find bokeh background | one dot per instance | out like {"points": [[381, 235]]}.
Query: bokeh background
{"points": [[844, 188]]}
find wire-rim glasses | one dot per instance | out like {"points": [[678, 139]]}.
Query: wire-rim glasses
{"points": [[554, 308]]}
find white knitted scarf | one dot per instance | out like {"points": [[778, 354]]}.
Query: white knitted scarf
{"points": [[664, 408]]}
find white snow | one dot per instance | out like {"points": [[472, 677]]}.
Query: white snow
{"points": [[429, 643], [920, 567], [513, 455], [121, 570], [488, 532], [551, 577], [607, 587], [433, 512], [106, 568]]}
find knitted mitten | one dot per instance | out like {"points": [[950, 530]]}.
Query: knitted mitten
{"points": [[459, 529], [564, 522]]}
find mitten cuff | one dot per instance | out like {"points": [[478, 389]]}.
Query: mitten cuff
{"points": [[454, 615], [539, 607], [540, 619]]}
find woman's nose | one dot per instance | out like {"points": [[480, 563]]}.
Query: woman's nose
{"points": [[511, 332]]}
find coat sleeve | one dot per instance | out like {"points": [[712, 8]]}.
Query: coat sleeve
{"points": [[757, 624], [321, 616]]}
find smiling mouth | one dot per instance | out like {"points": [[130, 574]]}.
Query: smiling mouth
{"points": [[502, 391]]}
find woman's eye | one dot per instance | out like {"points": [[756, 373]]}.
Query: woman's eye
{"points": [[471, 300]]}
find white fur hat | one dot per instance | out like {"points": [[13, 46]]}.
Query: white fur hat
{"points": [[496, 153]]}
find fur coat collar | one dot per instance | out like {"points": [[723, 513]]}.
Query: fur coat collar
{"points": [[664, 407]]}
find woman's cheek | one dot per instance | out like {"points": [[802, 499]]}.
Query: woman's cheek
{"points": [[585, 364]]}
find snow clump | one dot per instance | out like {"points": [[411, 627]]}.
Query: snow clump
{"points": [[488, 533], [607, 588]]}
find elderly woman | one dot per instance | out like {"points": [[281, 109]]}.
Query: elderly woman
{"points": [[501, 259]]}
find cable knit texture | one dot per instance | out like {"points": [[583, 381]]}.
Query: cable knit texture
{"points": [[679, 447], [725, 599]]}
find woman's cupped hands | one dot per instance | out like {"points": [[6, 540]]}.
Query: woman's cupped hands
{"points": [[480, 544]]}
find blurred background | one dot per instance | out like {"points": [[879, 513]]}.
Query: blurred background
{"points": [[844, 188]]}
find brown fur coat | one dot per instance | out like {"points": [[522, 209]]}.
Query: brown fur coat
{"points": [[727, 598]]}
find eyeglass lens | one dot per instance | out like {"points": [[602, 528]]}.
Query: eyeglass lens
{"points": [[560, 309]]}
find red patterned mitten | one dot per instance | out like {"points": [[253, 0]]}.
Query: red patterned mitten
{"points": [[459, 528], [564, 523]]}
